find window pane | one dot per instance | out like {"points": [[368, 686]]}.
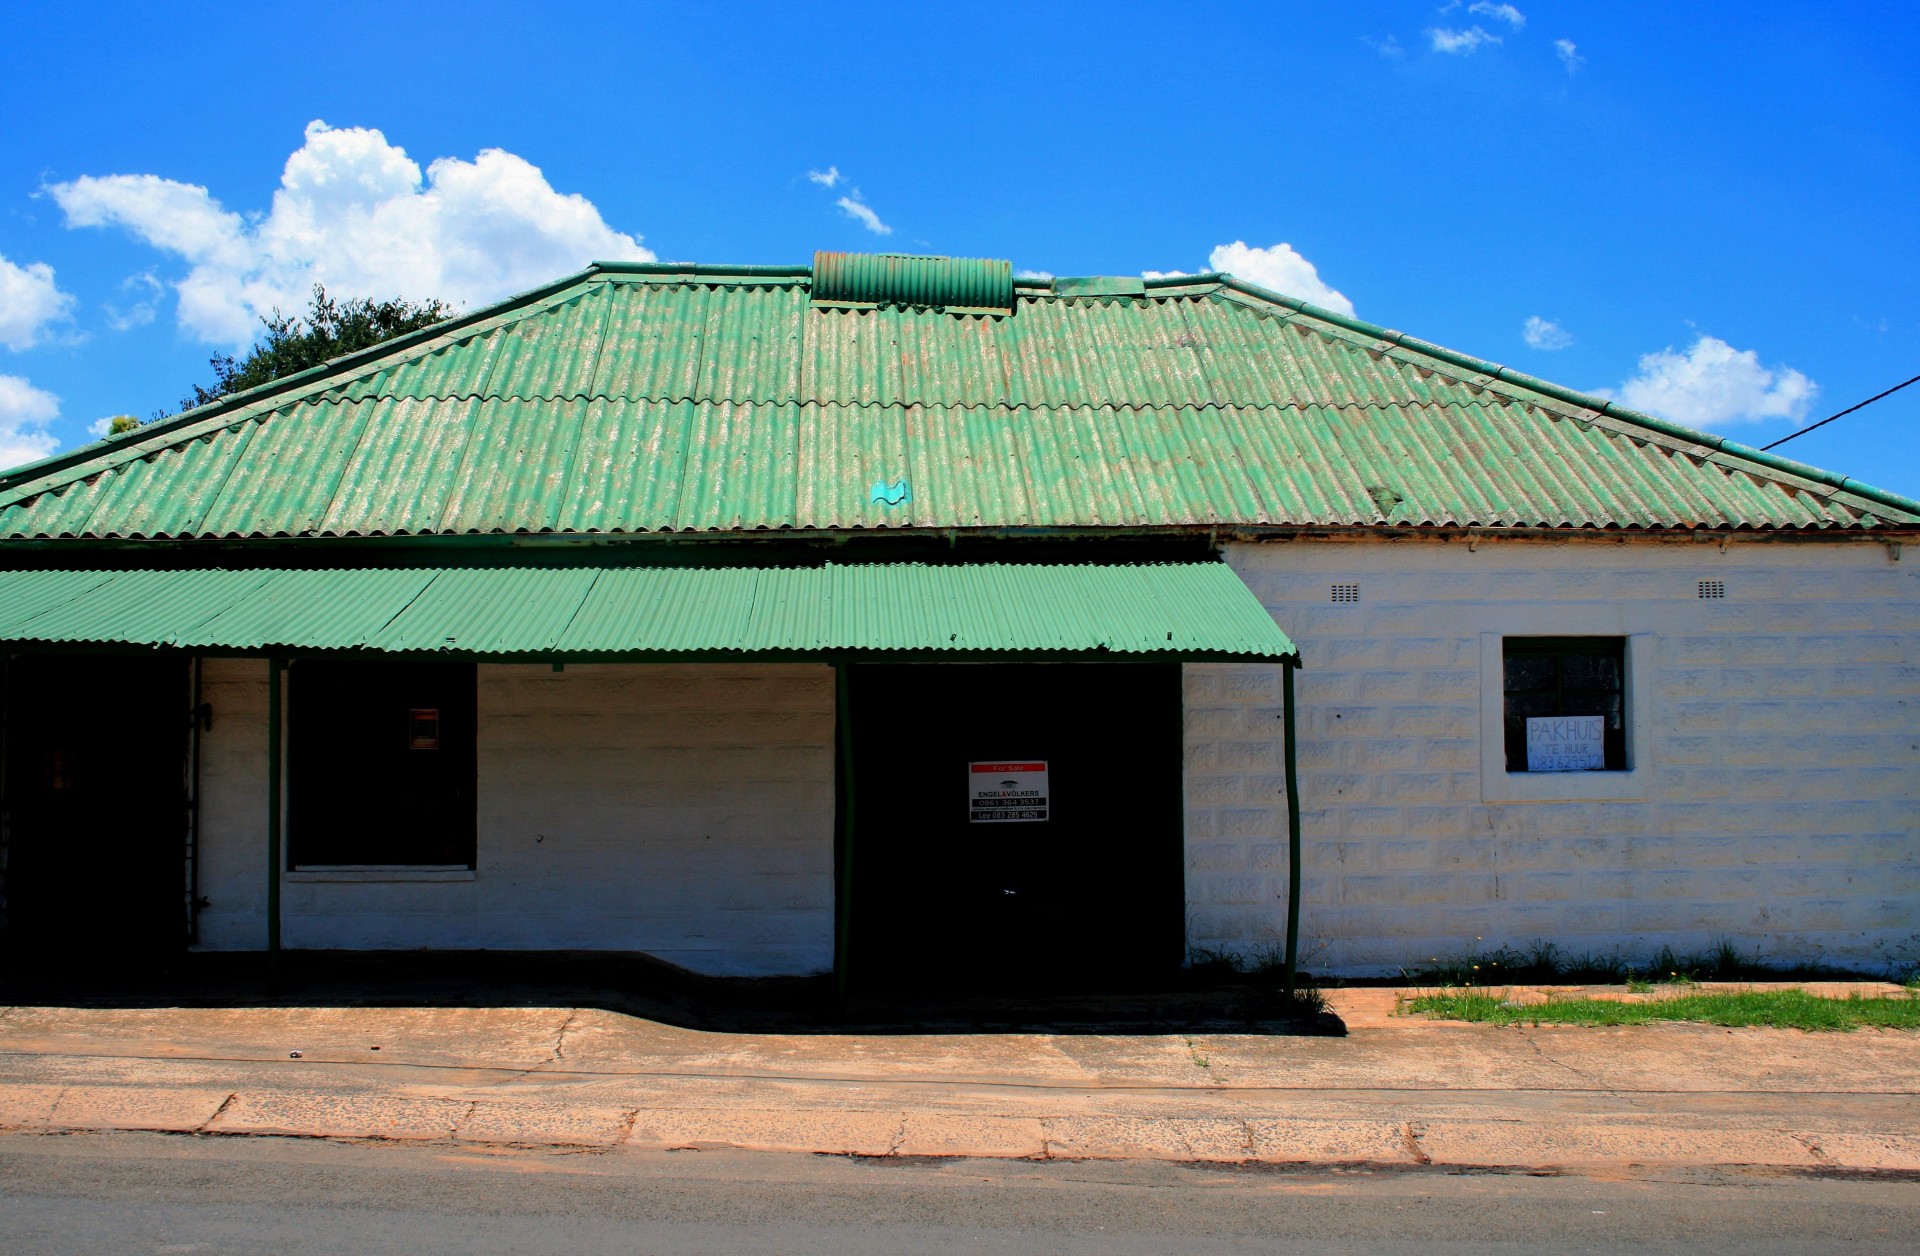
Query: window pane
{"points": [[1532, 672], [1522, 705], [1589, 671]]}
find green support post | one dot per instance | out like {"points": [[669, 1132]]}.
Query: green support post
{"points": [[844, 814], [276, 672], [1293, 832]]}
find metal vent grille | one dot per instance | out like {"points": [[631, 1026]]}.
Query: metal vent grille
{"points": [[1713, 588], [1347, 593]]}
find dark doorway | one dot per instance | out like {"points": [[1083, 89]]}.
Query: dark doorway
{"points": [[96, 810], [1082, 890]]}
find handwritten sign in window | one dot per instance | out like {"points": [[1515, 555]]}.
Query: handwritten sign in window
{"points": [[1566, 743]]}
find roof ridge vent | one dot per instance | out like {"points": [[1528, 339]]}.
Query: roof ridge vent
{"points": [[964, 285]]}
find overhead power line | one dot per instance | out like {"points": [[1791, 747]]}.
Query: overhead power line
{"points": [[1843, 414]]}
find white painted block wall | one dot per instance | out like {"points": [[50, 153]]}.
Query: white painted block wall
{"points": [[1778, 795], [682, 811]]}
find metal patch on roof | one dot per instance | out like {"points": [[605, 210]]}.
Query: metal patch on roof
{"points": [[953, 283], [1101, 286]]}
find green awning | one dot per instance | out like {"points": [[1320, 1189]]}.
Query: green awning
{"points": [[1195, 610]]}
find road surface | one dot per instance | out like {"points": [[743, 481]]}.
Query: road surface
{"points": [[140, 1193]]}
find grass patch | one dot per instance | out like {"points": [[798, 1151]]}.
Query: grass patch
{"points": [[1776, 1009]]}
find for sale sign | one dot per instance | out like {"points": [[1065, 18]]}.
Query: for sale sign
{"points": [[999, 792]]}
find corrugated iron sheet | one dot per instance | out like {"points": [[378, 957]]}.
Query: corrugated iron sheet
{"points": [[637, 404], [1172, 610]]}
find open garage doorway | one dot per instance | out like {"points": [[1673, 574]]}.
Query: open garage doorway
{"points": [[96, 818], [1015, 827]]}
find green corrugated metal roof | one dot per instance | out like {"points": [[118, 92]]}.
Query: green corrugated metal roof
{"points": [[635, 399], [1148, 610]]}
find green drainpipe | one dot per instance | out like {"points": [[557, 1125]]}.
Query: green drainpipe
{"points": [[1293, 831]]}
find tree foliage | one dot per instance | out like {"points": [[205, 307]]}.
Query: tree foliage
{"points": [[328, 329]]}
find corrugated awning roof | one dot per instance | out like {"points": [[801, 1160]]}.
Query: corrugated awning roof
{"points": [[1196, 610]]}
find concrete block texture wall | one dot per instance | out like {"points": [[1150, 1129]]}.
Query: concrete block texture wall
{"points": [[1774, 800], [681, 811]]}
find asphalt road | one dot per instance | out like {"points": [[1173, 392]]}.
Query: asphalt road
{"points": [[134, 1193]]}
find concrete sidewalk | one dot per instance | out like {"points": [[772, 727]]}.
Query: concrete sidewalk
{"points": [[1397, 1090]]}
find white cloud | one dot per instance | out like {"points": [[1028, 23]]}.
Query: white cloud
{"points": [[24, 413], [1499, 12], [854, 207], [354, 213], [1461, 42], [1712, 383], [1543, 333], [29, 301], [1281, 269], [146, 291], [1041, 275], [1388, 47], [1569, 54], [1162, 274], [825, 178]]}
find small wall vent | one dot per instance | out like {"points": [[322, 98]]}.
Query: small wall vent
{"points": [[1346, 593], [1713, 588]]}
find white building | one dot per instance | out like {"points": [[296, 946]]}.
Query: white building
{"points": [[721, 614]]}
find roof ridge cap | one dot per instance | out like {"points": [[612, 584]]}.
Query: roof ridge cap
{"points": [[1587, 401], [690, 270]]}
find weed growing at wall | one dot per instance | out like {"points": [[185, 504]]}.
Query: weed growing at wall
{"points": [[1543, 963]]}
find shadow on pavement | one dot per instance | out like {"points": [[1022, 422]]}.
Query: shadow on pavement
{"points": [[638, 985]]}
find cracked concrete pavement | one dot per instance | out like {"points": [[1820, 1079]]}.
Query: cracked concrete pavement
{"points": [[1397, 1090]]}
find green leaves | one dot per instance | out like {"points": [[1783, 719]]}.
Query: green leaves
{"points": [[329, 329]]}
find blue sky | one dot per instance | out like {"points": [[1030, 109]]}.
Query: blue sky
{"points": [[1711, 210]]}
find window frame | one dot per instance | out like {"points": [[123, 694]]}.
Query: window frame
{"points": [[1634, 782]]}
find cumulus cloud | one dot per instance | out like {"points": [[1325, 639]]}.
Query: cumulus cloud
{"points": [[1033, 274], [354, 212], [30, 302], [1499, 12], [1163, 274], [1543, 333], [144, 291], [1460, 42], [25, 412], [825, 178], [1569, 54], [1712, 383], [1281, 269], [858, 209]]}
